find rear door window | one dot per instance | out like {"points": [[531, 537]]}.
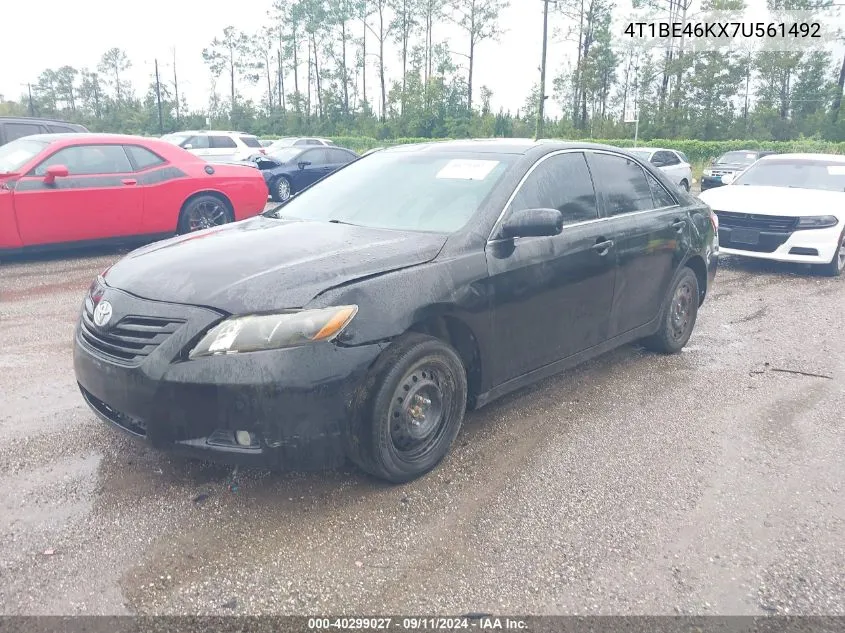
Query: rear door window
{"points": [[622, 183], [223, 142], [15, 131]]}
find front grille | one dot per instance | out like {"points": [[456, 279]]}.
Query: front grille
{"points": [[772, 223], [133, 425], [130, 339]]}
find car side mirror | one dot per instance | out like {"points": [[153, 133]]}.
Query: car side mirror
{"points": [[55, 171], [533, 223], [304, 163], [728, 179]]}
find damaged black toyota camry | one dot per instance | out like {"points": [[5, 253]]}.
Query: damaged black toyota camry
{"points": [[360, 319]]}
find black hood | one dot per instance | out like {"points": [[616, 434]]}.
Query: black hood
{"points": [[731, 166], [266, 264]]}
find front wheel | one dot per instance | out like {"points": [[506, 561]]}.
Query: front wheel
{"points": [[836, 265], [415, 410], [678, 317], [281, 189]]}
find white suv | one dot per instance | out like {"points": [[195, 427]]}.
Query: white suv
{"points": [[671, 162], [214, 145]]}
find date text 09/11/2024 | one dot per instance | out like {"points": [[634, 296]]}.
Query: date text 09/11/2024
{"points": [[757, 30]]}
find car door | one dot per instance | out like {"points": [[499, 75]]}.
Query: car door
{"points": [[198, 145], [98, 199], [222, 148], [651, 234], [317, 168], [551, 296], [674, 166]]}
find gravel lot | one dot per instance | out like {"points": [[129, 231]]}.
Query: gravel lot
{"points": [[706, 483]]}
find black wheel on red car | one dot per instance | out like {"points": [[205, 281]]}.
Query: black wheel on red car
{"points": [[836, 265], [415, 410], [281, 189], [204, 212], [678, 317]]}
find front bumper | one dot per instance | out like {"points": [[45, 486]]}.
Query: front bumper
{"points": [[815, 246], [294, 402], [709, 182]]}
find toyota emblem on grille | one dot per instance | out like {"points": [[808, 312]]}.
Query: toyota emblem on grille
{"points": [[102, 313]]}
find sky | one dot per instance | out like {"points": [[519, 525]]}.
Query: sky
{"points": [[78, 32]]}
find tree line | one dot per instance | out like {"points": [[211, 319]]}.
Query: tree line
{"points": [[382, 69]]}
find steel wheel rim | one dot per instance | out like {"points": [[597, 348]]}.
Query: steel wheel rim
{"points": [[205, 215], [681, 310], [418, 414], [283, 189]]}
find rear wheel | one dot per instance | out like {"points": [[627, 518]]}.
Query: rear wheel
{"points": [[836, 265], [678, 318], [281, 189], [203, 212], [685, 185], [414, 413]]}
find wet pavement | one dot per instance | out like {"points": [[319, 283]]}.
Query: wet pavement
{"points": [[710, 482]]}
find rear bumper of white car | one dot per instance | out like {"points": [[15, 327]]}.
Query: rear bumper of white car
{"points": [[806, 246]]}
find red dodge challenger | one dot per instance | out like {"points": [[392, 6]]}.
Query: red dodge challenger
{"points": [[61, 189]]}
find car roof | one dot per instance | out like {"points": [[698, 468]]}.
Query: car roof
{"points": [[833, 158], [197, 132], [88, 136], [497, 146], [37, 119]]}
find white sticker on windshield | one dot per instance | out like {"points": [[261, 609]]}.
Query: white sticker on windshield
{"points": [[836, 170], [461, 169]]}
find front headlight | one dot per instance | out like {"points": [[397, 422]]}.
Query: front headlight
{"points": [[817, 222], [256, 332]]}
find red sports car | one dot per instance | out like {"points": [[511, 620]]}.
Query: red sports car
{"points": [[59, 189]]}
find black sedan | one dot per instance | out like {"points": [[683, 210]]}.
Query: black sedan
{"points": [[363, 317], [292, 169]]}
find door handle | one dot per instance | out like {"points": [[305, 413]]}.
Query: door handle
{"points": [[603, 247], [129, 181], [679, 225]]}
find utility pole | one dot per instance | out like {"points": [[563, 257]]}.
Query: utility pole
{"points": [[176, 85], [31, 105], [541, 108], [158, 99]]}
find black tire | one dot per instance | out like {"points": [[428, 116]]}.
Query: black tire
{"points": [[836, 265], [391, 437], [203, 212], [279, 185], [685, 185], [677, 320]]}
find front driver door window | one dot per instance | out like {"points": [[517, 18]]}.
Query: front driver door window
{"points": [[98, 199], [552, 295]]}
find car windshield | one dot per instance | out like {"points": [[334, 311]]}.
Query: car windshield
{"points": [[403, 190], [176, 139], [800, 174], [16, 154], [284, 142], [740, 158], [286, 154]]}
